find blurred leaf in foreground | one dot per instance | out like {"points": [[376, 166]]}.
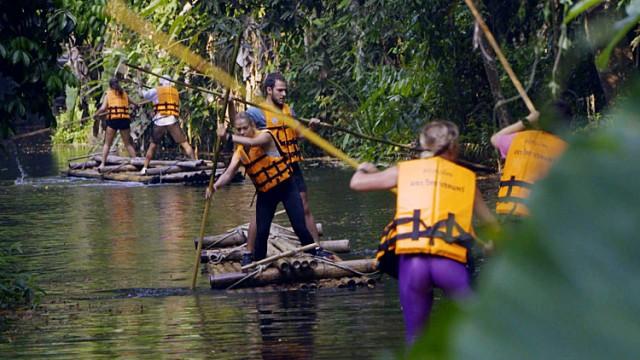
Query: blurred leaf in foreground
{"points": [[566, 284]]}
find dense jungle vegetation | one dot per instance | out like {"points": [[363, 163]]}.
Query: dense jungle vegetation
{"points": [[381, 68]]}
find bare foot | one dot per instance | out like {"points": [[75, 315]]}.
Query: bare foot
{"points": [[101, 167]]}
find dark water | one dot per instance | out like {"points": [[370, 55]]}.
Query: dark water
{"points": [[115, 260]]}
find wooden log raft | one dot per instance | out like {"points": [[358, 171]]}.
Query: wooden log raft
{"points": [[273, 275], [120, 168], [238, 236], [235, 253]]}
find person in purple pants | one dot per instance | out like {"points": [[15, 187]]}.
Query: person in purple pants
{"points": [[427, 245]]}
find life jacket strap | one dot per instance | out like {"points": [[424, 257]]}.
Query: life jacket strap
{"points": [[449, 225], [120, 111], [508, 197], [166, 107]]}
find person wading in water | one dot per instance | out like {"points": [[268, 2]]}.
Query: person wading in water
{"points": [[263, 159], [116, 107], [428, 243]]}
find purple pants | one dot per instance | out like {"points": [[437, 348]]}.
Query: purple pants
{"points": [[417, 276]]}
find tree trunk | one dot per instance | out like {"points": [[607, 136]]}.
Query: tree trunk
{"points": [[493, 77]]}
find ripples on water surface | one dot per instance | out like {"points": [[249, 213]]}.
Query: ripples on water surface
{"points": [[115, 260]]}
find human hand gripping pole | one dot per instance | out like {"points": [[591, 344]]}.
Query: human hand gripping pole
{"points": [[503, 60], [119, 12], [210, 187]]}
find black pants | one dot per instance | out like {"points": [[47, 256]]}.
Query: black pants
{"points": [[288, 193]]}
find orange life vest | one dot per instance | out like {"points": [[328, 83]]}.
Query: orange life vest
{"points": [[530, 157], [168, 101], [287, 137], [117, 106], [264, 170], [433, 211]]}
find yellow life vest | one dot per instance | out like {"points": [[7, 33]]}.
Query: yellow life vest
{"points": [[286, 137], [264, 170], [433, 211], [117, 106], [530, 157], [168, 101]]}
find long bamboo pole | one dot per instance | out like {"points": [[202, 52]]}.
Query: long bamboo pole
{"points": [[473, 166], [306, 121], [216, 147], [501, 57]]}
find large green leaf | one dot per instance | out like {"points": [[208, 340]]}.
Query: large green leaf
{"points": [[623, 27], [579, 8], [567, 285]]}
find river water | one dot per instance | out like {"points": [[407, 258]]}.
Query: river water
{"points": [[115, 261]]}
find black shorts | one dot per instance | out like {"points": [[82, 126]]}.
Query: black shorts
{"points": [[119, 124], [297, 177]]}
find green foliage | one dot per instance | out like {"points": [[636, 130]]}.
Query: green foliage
{"points": [[72, 125], [31, 36], [564, 284], [381, 68], [579, 8], [621, 28], [16, 286]]}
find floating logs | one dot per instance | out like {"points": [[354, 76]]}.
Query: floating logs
{"points": [[287, 265], [238, 236], [235, 253], [274, 275], [120, 168]]}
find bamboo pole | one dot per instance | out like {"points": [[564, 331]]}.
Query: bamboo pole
{"points": [[473, 166], [275, 275], [501, 57], [237, 236], [207, 202], [233, 253], [273, 258], [306, 121]]}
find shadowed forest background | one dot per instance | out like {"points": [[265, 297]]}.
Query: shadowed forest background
{"points": [[381, 68], [384, 68]]}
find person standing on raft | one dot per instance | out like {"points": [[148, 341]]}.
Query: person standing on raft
{"points": [[428, 242], [166, 103], [116, 107], [274, 88], [269, 116], [530, 154], [271, 174]]}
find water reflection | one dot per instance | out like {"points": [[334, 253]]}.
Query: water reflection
{"points": [[115, 261], [286, 326]]}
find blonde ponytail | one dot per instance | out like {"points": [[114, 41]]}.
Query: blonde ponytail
{"points": [[438, 137]]}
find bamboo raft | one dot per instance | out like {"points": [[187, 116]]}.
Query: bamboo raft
{"points": [[159, 171], [222, 254]]}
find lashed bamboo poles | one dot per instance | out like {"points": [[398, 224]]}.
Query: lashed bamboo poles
{"points": [[501, 57], [216, 147]]}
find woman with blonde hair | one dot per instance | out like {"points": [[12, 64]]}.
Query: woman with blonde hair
{"points": [[428, 243]]}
